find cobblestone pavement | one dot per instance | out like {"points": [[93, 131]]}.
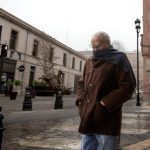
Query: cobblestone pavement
{"points": [[57, 129], [60, 134], [135, 126]]}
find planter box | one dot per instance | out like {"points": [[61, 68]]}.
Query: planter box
{"points": [[13, 95], [44, 93]]}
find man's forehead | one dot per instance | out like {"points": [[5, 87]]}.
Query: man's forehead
{"points": [[95, 37]]}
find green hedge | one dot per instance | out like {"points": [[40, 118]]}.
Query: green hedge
{"points": [[40, 85]]}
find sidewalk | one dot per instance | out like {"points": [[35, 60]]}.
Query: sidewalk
{"points": [[39, 129], [44, 128], [136, 126], [39, 103]]}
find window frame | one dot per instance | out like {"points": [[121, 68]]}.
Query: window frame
{"points": [[65, 59], [73, 62], [35, 48], [14, 40], [80, 67], [1, 27]]}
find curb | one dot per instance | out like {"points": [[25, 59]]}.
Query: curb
{"points": [[143, 145]]}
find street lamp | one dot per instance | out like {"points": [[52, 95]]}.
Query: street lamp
{"points": [[137, 27]]}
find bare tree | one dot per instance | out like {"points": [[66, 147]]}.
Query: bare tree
{"points": [[118, 45], [47, 59]]}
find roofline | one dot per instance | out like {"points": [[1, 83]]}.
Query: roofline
{"points": [[6, 15]]}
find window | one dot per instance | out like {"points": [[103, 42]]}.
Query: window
{"points": [[13, 39], [32, 74], [73, 63], [35, 48], [0, 33], [80, 69], [63, 78], [8, 67], [65, 59]]}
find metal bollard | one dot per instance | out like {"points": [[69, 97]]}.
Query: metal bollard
{"points": [[1, 127], [58, 101], [27, 104]]}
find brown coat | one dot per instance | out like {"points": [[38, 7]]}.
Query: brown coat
{"points": [[102, 82]]}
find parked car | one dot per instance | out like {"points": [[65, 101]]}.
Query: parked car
{"points": [[141, 91]]}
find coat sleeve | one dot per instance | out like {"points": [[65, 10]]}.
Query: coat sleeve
{"points": [[80, 90], [125, 87]]}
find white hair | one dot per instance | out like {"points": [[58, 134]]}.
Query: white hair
{"points": [[103, 37], [103, 40]]}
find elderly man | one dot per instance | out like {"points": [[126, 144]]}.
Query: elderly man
{"points": [[108, 81]]}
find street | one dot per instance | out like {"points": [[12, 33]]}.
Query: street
{"points": [[44, 128]]}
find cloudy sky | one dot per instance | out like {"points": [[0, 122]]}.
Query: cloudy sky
{"points": [[73, 22]]}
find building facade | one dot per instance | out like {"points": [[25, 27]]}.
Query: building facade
{"points": [[23, 42], [132, 56], [145, 46]]}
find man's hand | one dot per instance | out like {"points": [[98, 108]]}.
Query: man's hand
{"points": [[102, 103], [78, 102]]}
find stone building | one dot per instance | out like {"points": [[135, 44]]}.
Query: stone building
{"points": [[132, 56], [23, 42], [145, 46]]}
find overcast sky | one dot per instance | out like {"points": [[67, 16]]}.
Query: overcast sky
{"points": [[73, 22]]}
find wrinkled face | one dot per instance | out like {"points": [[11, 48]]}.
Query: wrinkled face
{"points": [[95, 42]]}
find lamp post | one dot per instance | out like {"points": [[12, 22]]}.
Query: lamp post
{"points": [[137, 27]]}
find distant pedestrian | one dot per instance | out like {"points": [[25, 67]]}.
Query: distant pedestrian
{"points": [[108, 81]]}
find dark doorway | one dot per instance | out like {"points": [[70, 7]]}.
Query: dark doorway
{"points": [[7, 72], [0, 33], [76, 79]]}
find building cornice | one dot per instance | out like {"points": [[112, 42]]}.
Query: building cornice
{"points": [[6, 15]]}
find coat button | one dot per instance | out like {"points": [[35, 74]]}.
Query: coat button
{"points": [[88, 101], [90, 85]]}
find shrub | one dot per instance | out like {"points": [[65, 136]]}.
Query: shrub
{"points": [[13, 83], [66, 91], [17, 82], [40, 85]]}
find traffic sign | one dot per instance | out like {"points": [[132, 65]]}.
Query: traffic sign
{"points": [[21, 68]]}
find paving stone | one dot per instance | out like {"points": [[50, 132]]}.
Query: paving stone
{"points": [[58, 130]]}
